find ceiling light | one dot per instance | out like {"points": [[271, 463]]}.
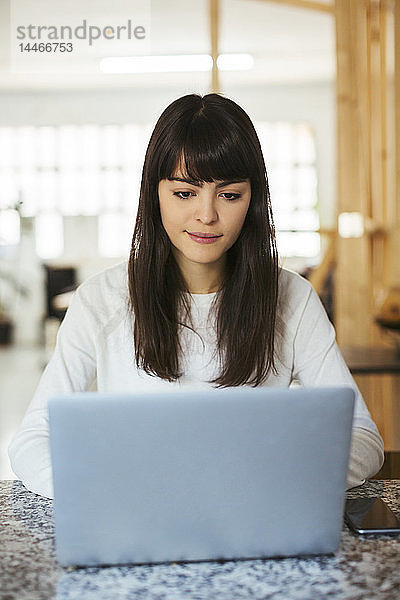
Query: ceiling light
{"points": [[156, 64], [175, 64]]}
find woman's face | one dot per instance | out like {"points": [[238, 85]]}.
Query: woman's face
{"points": [[202, 220]]}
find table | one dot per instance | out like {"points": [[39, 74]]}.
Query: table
{"points": [[371, 361], [361, 569]]}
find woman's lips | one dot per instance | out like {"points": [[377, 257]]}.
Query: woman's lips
{"points": [[203, 238]]}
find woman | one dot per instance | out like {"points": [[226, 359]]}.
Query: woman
{"points": [[202, 301]]}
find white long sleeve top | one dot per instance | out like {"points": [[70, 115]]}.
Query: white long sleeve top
{"points": [[95, 342]]}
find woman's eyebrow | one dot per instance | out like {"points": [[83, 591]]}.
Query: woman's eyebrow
{"points": [[184, 180], [200, 184], [229, 181]]}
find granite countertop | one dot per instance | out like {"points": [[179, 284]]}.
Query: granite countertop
{"points": [[361, 569]]}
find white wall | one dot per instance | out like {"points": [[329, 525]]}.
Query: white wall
{"points": [[314, 103]]}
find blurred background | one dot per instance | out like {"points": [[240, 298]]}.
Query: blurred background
{"points": [[319, 79]]}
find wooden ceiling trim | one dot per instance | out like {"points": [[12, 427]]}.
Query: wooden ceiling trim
{"points": [[214, 38]]}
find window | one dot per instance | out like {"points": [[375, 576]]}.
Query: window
{"points": [[93, 170], [72, 170], [289, 153]]}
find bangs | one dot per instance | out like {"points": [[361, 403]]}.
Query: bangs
{"points": [[207, 150]]}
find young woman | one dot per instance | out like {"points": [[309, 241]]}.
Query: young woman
{"points": [[202, 300]]}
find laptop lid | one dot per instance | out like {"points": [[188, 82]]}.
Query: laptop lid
{"points": [[199, 475]]}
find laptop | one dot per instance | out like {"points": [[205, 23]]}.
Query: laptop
{"points": [[234, 473]]}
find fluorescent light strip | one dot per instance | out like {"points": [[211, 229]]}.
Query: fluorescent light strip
{"points": [[175, 64]]}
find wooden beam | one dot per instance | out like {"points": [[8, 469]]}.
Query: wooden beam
{"points": [[393, 208], [378, 81], [353, 301], [214, 35], [396, 16], [366, 161], [310, 4]]}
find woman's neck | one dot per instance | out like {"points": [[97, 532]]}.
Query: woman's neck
{"points": [[202, 281], [201, 278]]}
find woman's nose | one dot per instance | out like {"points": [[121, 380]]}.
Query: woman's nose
{"points": [[206, 211]]}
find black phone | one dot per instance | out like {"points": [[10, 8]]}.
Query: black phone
{"points": [[370, 515]]}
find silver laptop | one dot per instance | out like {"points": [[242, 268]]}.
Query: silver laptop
{"points": [[199, 475]]}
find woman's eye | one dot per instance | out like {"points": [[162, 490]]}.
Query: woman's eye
{"points": [[230, 195], [182, 195]]}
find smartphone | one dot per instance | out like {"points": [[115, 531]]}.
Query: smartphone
{"points": [[370, 515]]}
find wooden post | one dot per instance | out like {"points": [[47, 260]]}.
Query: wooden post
{"points": [[353, 301], [364, 269], [310, 4], [396, 15], [394, 237], [214, 27]]}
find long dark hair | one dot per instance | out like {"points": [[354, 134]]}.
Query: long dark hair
{"points": [[217, 141]]}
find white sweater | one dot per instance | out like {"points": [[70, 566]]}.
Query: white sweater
{"points": [[95, 341]]}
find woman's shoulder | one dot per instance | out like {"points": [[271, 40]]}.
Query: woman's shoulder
{"points": [[110, 277], [292, 283], [294, 292]]}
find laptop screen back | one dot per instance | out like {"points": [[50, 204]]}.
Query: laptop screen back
{"points": [[232, 473]]}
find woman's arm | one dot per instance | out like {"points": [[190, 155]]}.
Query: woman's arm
{"points": [[72, 368], [318, 362], [366, 456]]}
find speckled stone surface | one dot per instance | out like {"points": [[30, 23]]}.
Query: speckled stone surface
{"points": [[366, 569]]}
